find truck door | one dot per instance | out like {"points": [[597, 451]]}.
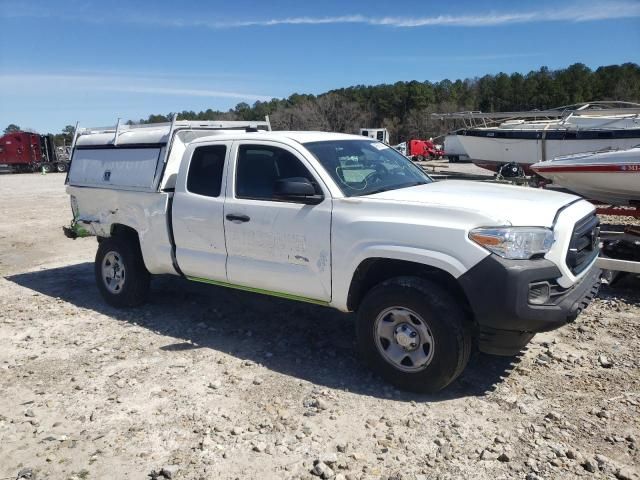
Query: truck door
{"points": [[281, 247], [197, 212]]}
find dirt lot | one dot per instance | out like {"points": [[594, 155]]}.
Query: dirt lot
{"points": [[211, 383]]}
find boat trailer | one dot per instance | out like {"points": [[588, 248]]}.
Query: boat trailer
{"points": [[619, 252], [623, 211]]}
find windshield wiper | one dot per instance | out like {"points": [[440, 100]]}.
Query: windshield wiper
{"points": [[379, 190], [394, 187]]}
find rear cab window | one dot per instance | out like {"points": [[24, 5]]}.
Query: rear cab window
{"points": [[205, 170]]}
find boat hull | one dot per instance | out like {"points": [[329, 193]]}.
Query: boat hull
{"points": [[491, 152], [610, 177]]}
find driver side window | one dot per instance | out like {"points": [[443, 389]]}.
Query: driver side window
{"points": [[259, 167]]}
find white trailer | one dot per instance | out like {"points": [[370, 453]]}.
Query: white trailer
{"points": [[380, 134], [453, 149]]}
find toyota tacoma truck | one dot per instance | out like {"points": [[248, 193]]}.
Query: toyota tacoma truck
{"points": [[431, 268]]}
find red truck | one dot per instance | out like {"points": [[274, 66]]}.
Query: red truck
{"points": [[29, 152], [419, 150]]}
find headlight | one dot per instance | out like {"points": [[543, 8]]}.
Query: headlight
{"points": [[514, 242]]}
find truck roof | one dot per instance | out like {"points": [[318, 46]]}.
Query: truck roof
{"points": [[298, 136]]}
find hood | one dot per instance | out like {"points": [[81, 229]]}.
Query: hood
{"points": [[507, 204]]}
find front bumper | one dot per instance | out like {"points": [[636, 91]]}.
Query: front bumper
{"points": [[498, 293]]}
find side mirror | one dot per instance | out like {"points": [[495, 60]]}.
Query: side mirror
{"points": [[297, 189]]}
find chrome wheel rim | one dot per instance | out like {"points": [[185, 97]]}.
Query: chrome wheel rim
{"points": [[404, 339], [113, 272]]}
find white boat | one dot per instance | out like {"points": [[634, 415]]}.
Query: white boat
{"points": [[609, 176], [530, 141]]}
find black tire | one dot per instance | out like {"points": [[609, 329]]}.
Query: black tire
{"points": [[61, 167], [453, 159], [47, 168], [135, 283], [445, 319]]}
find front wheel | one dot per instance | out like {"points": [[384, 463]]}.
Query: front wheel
{"points": [[61, 167], [412, 332], [122, 278]]}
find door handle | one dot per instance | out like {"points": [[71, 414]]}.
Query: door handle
{"points": [[237, 218]]}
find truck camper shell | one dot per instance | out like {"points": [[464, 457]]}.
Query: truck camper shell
{"points": [[140, 157]]}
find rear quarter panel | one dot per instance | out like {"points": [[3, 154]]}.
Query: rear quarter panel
{"points": [[99, 209]]}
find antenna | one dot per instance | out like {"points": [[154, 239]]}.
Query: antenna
{"points": [[115, 137]]}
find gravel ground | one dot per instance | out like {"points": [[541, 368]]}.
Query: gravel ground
{"points": [[211, 383]]}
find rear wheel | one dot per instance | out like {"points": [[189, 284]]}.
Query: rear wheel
{"points": [[47, 168], [412, 332], [61, 167], [121, 276]]}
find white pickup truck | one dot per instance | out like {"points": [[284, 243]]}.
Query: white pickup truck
{"points": [[336, 220]]}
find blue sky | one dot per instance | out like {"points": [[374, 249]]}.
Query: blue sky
{"points": [[94, 61]]}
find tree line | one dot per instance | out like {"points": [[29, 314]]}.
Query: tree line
{"points": [[405, 108]]}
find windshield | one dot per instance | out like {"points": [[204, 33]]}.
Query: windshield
{"points": [[363, 167]]}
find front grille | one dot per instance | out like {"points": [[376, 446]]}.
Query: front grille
{"points": [[585, 244]]}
